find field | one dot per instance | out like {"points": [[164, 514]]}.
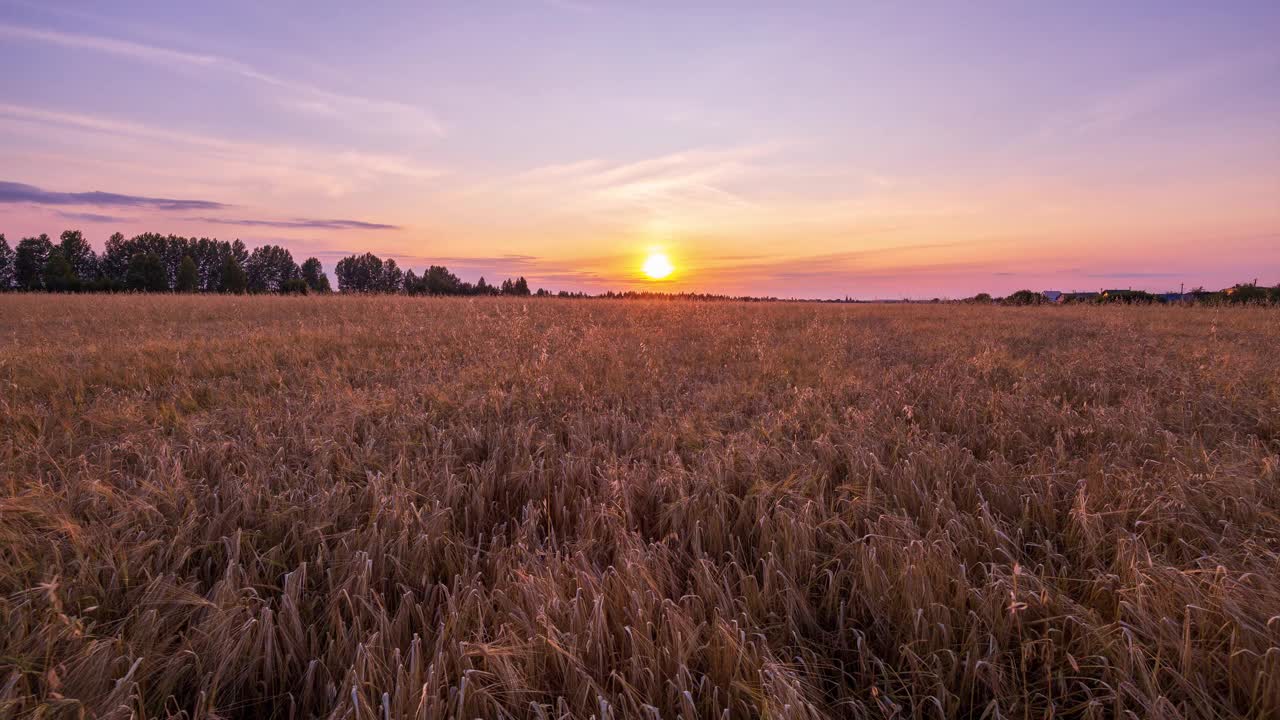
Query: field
{"points": [[449, 508]]}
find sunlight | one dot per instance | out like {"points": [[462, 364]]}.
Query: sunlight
{"points": [[657, 266]]}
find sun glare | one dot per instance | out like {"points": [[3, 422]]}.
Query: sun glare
{"points": [[657, 266]]}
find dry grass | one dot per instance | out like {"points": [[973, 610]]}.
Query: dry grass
{"points": [[390, 508]]}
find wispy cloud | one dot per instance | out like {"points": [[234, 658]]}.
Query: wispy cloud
{"points": [[91, 217], [279, 165], [697, 186], [307, 97], [1152, 93], [11, 192], [306, 223]]}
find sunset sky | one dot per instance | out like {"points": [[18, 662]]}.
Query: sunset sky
{"points": [[795, 149]]}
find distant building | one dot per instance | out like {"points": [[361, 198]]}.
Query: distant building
{"points": [[1118, 294], [1127, 296], [1174, 297], [1079, 297], [1053, 296]]}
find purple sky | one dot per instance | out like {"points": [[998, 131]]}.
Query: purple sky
{"points": [[815, 150]]}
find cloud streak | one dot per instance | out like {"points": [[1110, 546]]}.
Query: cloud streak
{"points": [[310, 98], [304, 223], [694, 188], [230, 161], [11, 193], [91, 217]]}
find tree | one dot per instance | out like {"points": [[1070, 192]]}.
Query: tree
{"points": [[442, 282], [6, 265], [1024, 297], [413, 284], [207, 256], [232, 279], [392, 277], [188, 276], [521, 287], [483, 288], [79, 255], [313, 275], [359, 273], [146, 273], [29, 261], [58, 274], [117, 256], [269, 268], [1247, 293], [114, 263]]}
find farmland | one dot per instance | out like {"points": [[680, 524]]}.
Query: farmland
{"points": [[391, 507]]}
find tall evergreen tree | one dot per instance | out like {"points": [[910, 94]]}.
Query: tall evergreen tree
{"points": [[6, 265]]}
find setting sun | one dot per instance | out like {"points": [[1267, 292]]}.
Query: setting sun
{"points": [[657, 266]]}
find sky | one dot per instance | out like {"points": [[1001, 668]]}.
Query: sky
{"points": [[861, 149]]}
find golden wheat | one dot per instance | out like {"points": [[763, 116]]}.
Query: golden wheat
{"points": [[447, 508]]}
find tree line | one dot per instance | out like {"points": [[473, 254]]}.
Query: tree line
{"points": [[152, 262], [1250, 293], [368, 273]]}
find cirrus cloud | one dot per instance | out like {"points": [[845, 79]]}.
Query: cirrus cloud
{"points": [[12, 192], [304, 223]]}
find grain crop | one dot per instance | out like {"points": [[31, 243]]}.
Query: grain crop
{"points": [[389, 507]]}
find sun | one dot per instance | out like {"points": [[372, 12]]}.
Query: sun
{"points": [[657, 266]]}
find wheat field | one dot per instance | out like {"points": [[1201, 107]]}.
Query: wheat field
{"points": [[375, 508]]}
